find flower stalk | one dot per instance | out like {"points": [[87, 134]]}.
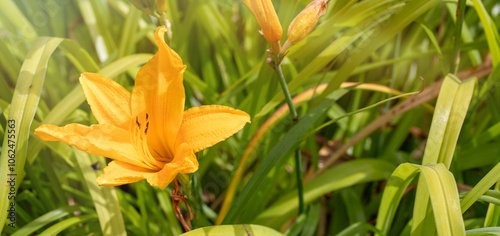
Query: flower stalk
{"points": [[177, 198], [295, 118], [301, 26]]}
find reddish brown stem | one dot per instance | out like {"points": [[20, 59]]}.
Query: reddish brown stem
{"points": [[177, 198]]}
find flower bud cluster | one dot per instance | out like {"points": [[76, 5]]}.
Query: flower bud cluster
{"points": [[301, 26]]}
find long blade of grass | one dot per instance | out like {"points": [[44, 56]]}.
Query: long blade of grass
{"points": [[452, 199], [480, 188], [23, 107], [483, 231], [10, 64], [276, 155], [129, 29], [277, 117], [451, 109], [96, 23], [395, 24], [444, 199], [359, 229], [338, 177], [457, 42], [393, 192], [168, 209], [78, 56], [443, 194], [455, 119], [432, 38], [59, 227], [47, 218], [474, 55], [490, 30], [10, 9], [104, 198], [493, 213], [233, 230], [312, 220]]}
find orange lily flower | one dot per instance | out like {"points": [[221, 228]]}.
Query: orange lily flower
{"points": [[147, 133]]}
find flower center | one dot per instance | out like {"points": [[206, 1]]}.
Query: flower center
{"points": [[140, 127]]}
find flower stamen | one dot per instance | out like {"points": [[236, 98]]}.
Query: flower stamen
{"points": [[137, 122], [140, 141]]}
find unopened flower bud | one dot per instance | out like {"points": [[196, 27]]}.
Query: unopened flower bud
{"points": [[305, 21], [264, 12], [147, 6]]}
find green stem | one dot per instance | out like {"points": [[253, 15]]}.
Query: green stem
{"points": [[288, 97], [298, 159], [457, 38], [198, 202], [298, 173]]}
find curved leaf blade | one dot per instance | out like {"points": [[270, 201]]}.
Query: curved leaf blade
{"points": [[233, 230]]}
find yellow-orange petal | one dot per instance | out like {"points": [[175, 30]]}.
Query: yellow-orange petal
{"points": [[103, 140], [184, 162], [205, 126], [119, 172], [159, 92], [264, 12], [109, 101]]}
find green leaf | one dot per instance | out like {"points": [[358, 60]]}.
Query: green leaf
{"points": [[480, 188], [47, 218], [431, 37], [338, 177], [312, 220], [24, 104], [490, 30], [394, 189], [168, 209], [104, 198], [233, 230], [443, 194], [59, 227], [484, 231], [277, 155], [10, 9], [451, 109], [98, 25], [467, 37], [129, 29], [358, 229], [78, 56]]}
